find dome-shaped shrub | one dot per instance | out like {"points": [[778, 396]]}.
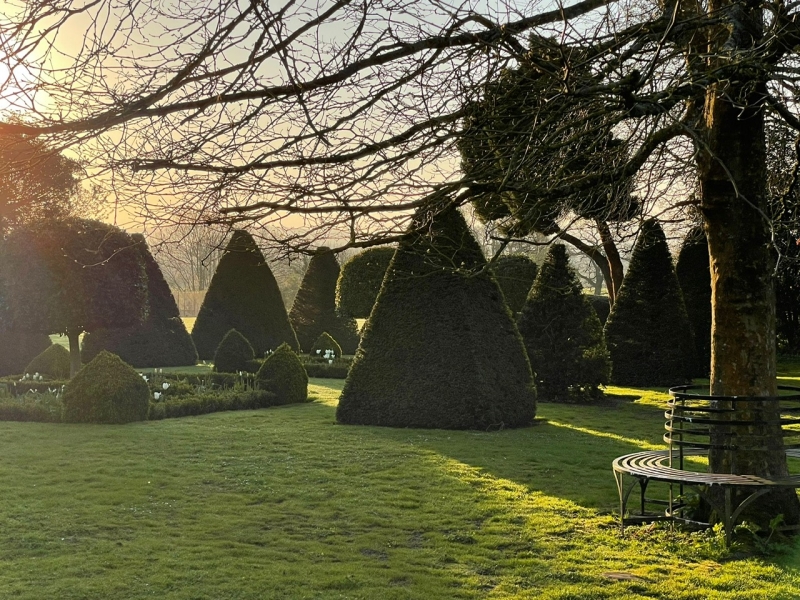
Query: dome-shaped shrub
{"points": [[694, 275], [53, 363], [360, 281], [161, 340], [234, 354], [648, 333], [314, 307], [325, 342], [283, 375], [18, 348], [515, 274], [440, 348], [562, 333], [106, 390], [243, 295]]}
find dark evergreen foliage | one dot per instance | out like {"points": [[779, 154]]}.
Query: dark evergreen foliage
{"points": [[159, 341], [73, 275], [515, 274], [694, 275], [243, 295], [601, 307], [53, 363], [648, 332], [283, 374], [325, 342], [563, 335], [440, 348], [18, 348], [360, 281], [233, 354], [314, 308], [106, 390]]}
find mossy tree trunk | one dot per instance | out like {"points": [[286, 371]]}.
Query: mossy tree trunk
{"points": [[732, 172]]}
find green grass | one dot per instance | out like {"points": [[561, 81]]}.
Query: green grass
{"points": [[284, 503]]}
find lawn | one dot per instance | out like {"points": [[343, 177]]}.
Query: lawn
{"points": [[285, 503]]}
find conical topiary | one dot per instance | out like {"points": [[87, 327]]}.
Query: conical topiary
{"points": [[694, 275], [562, 333], [360, 281], [601, 307], [648, 333], [233, 354], [106, 390], [283, 375], [314, 307], [243, 295], [53, 363], [440, 348], [161, 340], [515, 274], [324, 343]]}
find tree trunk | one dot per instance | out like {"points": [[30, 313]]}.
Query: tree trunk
{"points": [[598, 258], [616, 272], [732, 172], [74, 351]]}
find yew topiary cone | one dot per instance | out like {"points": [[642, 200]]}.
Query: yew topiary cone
{"points": [[694, 275], [440, 349], [648, 332], [314, 308], [284, 375], [243, 295], [563, 335]]}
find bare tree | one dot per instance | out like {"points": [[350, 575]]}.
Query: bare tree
{"points": [[332, 120]]}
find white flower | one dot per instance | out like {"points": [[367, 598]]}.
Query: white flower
{"points": [[156, 395], [144, 376], [330, 361], [240, 373], [165, 386]]}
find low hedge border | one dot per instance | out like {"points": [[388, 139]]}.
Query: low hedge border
{"points": [[321, 368]]}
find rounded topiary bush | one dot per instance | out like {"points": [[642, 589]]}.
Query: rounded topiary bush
{"points": [[314, 307], [440, 349], [694, 275], [563, 335], [19, 348], [106, 390], [360, 281], [325, 342], [53, 363], [515, 274], [234, 353], [243, 295], [283, 374], [648, 333]]}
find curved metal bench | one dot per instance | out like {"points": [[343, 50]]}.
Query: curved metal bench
{"points": [[654, 465], [691, 419]]}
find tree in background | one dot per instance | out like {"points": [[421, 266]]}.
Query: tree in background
{"points": [[648, 332], [515, 274], [360, 281], [563, 335], [73, 275], [314, 308], [440, 348], [694, 276], [161, 340], [243, 295]]}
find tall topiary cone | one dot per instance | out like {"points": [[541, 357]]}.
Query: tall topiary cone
{"points": [[440, 348], [562, 333], [648, 332], [243, 295], [515, 274], [314, 308], [360, 281], [161, 340], [694, 276]]}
